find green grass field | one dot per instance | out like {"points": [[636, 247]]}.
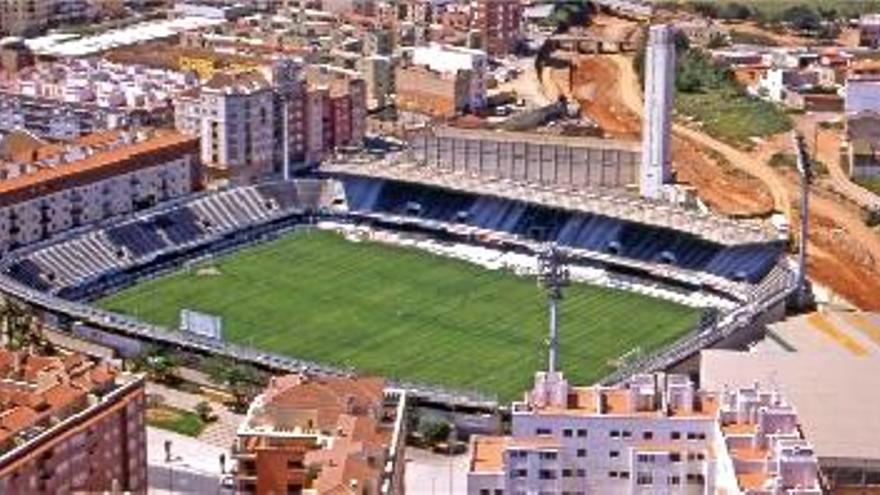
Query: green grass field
{"points": [[405, 313]]}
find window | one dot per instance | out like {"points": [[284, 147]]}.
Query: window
{"points": [[548, 456], [547, 474], [519, 454], [626, 434], [567, 433], [648, 435], [543, 431], [695, 479], [614, 454], [674, 480], [701, 436], [691, 436], [675, 435], [645, 458], [614, 434], [485, 491], [566, 473], [499, 491], [582, 433], [624, 475], [519, 473], [581, 473], [612, 474], [644, 479], [674, 457], [581, 452]]}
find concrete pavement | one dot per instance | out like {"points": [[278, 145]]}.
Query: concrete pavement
{"points": [[434, 474], [194, 466]]}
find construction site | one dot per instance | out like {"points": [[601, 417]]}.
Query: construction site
{"points": [[731, 180]]}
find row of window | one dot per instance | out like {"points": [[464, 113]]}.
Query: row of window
{"points": [[620, 434]]}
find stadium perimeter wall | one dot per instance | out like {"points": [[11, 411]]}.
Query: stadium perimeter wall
{"points": [[529, 157]]}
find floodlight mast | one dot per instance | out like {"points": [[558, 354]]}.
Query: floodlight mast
{"points": [[805, 170], [553, 275]]}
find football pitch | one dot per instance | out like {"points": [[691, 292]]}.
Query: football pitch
{"points": [[405, 313]]}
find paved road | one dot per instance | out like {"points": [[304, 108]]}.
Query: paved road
{"points": [[194, 466]]}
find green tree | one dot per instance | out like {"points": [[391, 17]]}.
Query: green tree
{"points": [[21, 327], [243, 381], [205, 411], [802, 17], [159, 364]]}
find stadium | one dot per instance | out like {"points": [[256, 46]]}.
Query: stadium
{"points": [[425, 276]]}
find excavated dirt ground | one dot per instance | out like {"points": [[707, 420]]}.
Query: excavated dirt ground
{"points": [[844, 253]]}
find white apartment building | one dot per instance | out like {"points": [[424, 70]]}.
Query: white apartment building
{"points": [[83, 184], [66, 100], [234, 116], [656, 434], [448, 59], [279, 118]]}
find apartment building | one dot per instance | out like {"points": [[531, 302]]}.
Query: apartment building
{"points": [[69, 99], [69, 425], [318, 435], [24, 17], [438, 94], [656, 434], [498, 22], [869, 30], [281, 117], [59, 187], [448, 59]]}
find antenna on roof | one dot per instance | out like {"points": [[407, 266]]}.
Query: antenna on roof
{"points": [[553, 275]]}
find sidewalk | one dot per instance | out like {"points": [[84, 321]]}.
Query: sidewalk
{"points": [[194, 468]]}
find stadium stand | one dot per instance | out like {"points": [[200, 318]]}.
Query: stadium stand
{"points": [[592, 232], [77, 260]]}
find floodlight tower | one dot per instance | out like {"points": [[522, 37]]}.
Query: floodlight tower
{"points": [[805, 170], [553, 275]]}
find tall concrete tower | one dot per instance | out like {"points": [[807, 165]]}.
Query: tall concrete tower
{"points": [[659, 94]]}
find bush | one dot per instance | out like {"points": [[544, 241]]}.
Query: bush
{"points": [[872, 217], [435, 431], [802, 17], [205, 411]]}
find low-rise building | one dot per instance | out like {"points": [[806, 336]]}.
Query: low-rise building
{"points": [[59, 187], [447, 59], [656, 434], [69, 425], [422, 90], [321, 435], [69, 99], [869, 30]]}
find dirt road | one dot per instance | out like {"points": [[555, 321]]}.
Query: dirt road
{"points": [[718, 184], [845, 253]]}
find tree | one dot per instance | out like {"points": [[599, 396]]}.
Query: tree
{"points": [[205, 411], [159, 364], [241, 380], [802, 17], [716, 40], [435, 431], [734, 11], [21, 328]]}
